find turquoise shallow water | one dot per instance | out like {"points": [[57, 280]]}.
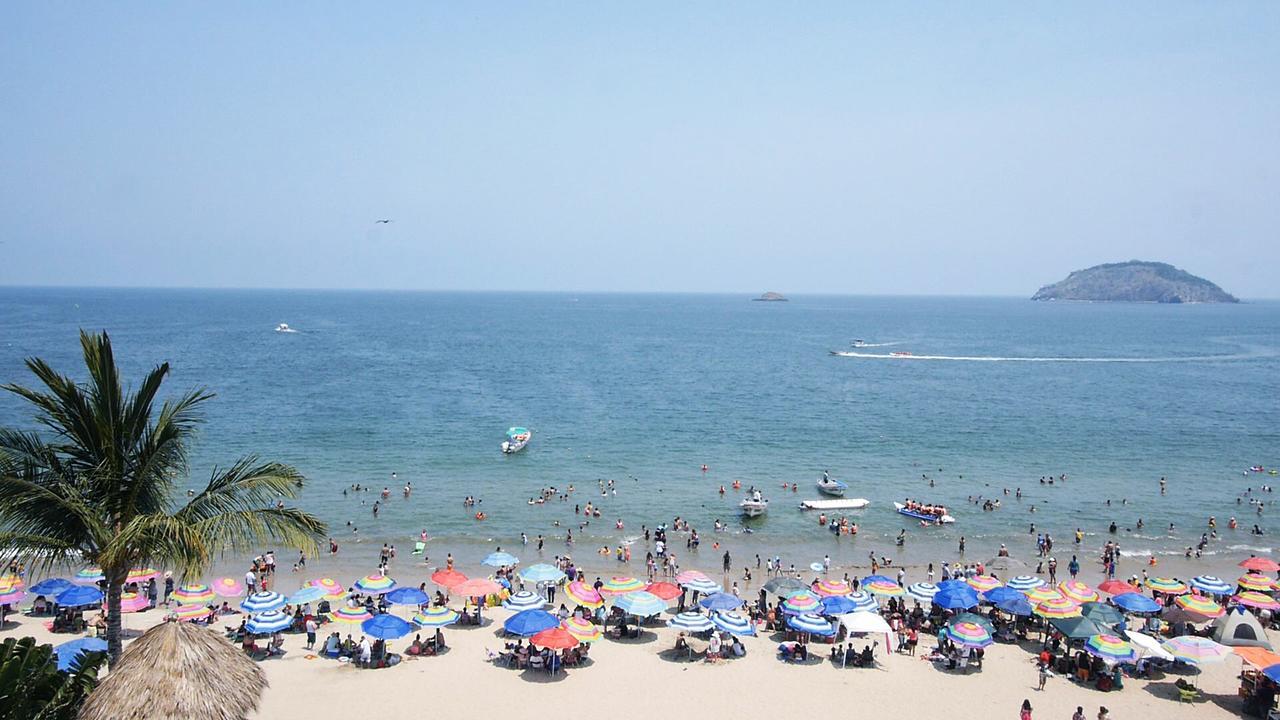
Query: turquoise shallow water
{"points": [[645, 389]]}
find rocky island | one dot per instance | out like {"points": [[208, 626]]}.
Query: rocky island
{"points": [[1135, 281], [770, 297]]}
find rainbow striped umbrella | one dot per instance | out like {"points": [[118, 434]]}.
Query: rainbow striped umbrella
{"points": [[621, 585], [1060, 607], [193, 594], [969, 634], [261, 602], [11, 580], [1078, 591], [1195, 650], [983, 583], [1254, 581], [1211, 585], [188, 613], [333, 590], [922, 591], [1200, 605], [733, 623], [138, 575], [864, 601], [11, 594], [375, 584], [1110, 648], [801, 601], [1041, 594], [1257, 600], [832, 588], [1168, 586], [884, 587], [436, 617], [228, 587], [1026, 582], [133, 602], [690, 575], [584, 594], [584, 630], [703, 585], [350, 615], [88, 576]]}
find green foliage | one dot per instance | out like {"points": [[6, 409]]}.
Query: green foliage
{"points": [[31, 688]]}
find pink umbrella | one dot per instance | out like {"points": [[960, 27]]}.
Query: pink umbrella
{"points": [[133, 602], [689, 576], [228, 587], [475, 587]]}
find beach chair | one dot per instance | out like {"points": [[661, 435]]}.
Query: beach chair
{"points": [[419, 547], [1188, 694]]}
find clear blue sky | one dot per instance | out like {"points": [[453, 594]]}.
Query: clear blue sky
{"points": [[806, 147]]}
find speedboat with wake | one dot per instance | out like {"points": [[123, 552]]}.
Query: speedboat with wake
{"points": [[923, 512], [828, 485], [754, 505], [284, 327], [517, 438]]}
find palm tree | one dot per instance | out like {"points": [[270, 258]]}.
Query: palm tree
{"points": [[99, 489]]}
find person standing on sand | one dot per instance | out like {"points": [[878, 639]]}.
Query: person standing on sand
{"points": [[1079, 713], [1025, 713]]}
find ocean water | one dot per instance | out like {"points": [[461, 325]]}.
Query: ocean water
{"points": [[645, 389]]}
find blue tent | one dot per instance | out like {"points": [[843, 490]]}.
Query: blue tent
{"points": [[79, 596], [956, 598], [50, 586], [530, 622], [1135, 602], [69, 653], [1016, 606], [386, 627], [995, 596], [721, 601], [407, 596]]}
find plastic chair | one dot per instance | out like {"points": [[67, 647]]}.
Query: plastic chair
{"points": [[1188, 694]]}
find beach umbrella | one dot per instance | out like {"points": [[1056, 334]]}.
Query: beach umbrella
{"points": [[864, 601], [953, 585], [690, 575], [1271, 671], [838, 605], [639, 603], [691, 622], [583, 629], [1211, 585], [1110, 648], [262, 602], [1102, 613], [831, 588], [1135, 603], [733, 623], [409, 596], [333, 590], [967, 634], [1058, 608], [541, 572], [1257, 600], [621, 585], [1200, 605], [1024, 583], [348, 615], [524, 600], [556, 638], [138, 575], [227, 587], [817, 567], [781, 586], [1079, 628], [703, 586], [1078, 591], [1117, 587], [956, 598], [1196, 650], [386, 627], [476, 587], [974, 618], [721, 601], [1147, 646], [436, 617], [801, 601], [883, 586], [665, 590], [88, 576], [983, 583], [1016, 606], [1040, 594], [1168, 586], [306, 594], [189, 613], [69, 653], [193, 594], [132, 602], [810, 623], [50, 586], [12, 580], [448, 579], [79, 596], [1260, 564], [11, 595], [583, 594], [1000, 594], [922, 591], [268, 622], [1254, 581], [375, 584], [500, 559]]}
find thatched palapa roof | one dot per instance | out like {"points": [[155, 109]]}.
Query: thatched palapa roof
{"points": [[178, 671]]}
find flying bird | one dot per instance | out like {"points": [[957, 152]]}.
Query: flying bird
{"points": [[375, 222]]}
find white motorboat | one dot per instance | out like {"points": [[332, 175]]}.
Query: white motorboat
{"points": [[755, 505], [828, 485], [517, 438], [284, 327], [841, 504]]}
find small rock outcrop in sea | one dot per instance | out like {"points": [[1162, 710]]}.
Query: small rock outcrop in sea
{"points": [[770, 297], [1135, 281]]}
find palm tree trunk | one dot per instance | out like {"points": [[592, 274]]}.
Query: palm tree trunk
{"points": [[114, 588]]}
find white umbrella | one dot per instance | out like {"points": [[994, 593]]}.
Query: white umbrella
{"points": [[1148, 646]]}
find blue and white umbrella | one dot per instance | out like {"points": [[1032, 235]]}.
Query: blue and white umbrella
{"points": [[721, 601], [524, 600], [407, 596], [691, 621], [540, 573], [733, 623], [640, 603], [1210, 585], [922, 591], [703, 585], [810, 623], [864, 600], [50, 586], [1026, 582], [261, 602], [269, 622], [79, 596], [310, 593], [500, 559]]}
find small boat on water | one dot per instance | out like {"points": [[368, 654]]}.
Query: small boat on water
{"points": [[939, 516], [830, 486], [284, 327], [517, 438], [900, 353], [859, 343], [754, 505], [841, 504]]}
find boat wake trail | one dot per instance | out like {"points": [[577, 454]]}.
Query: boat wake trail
{"points": [[883, 344], [996, 358]]}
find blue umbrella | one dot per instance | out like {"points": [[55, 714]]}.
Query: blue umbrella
{"points": [[1016, 606], [995, 596], [541, 572], [721, 601], [956, 599], [810, 623], [79, 596], [310, 593], [530, 622], [69, 653], [864, 601], [838, 605], [641, 603], [386, 627], [272, 621], [500, 559], [954, 585], [49, 586], [262, 602], [691, 621], [1135, 603], [733, 623], [407, 596], [1271, 671]]}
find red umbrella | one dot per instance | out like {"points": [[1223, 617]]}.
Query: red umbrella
{"points": [[475, 587], [557, 638], [1260, 564], [447, 578], [664, 590], [1117, 587]]}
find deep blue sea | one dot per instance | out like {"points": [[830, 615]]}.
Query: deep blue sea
{"points": [[645, 389]]}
